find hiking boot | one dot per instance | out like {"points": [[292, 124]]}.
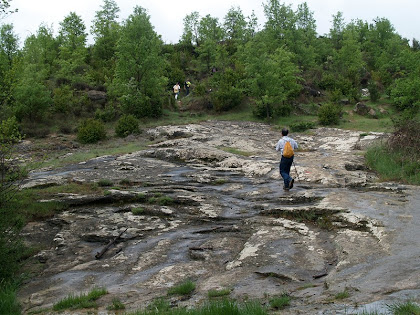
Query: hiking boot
{"points": [[291, 183], [285, 188]]}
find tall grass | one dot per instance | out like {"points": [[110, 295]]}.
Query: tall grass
{"points": [[393, 165], [80, 301], [8, 301]]}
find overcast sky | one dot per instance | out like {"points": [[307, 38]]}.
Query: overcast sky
{"points": [[167, 16]]}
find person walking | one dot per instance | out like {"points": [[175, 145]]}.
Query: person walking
{"points": [[187, 85], [286, 146], [176, 88]]}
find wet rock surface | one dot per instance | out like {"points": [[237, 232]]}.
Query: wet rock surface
{"points": [[220, 218]]}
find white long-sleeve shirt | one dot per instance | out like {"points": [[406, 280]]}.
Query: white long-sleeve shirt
{"points": [[282, 142]]}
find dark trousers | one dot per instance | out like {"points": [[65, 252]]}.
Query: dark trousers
{"points": [[285, 165]]}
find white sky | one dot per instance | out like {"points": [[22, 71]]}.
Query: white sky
{"points": [[167, 16]]}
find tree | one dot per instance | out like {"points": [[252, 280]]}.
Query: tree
{"points": [[235, 25], [11, 246], [8, 60], [281, 21], [336, 32], [105, 29], [4, 8], [271, 78], [9, 43], [210, 33], [73, 52], [139, 81], [191, 25], [304, 37]]}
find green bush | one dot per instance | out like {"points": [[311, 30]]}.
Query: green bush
{"points": [[374, 92], [302, 126], [32, 100], [406, 93], [91, 131], [329, 114], [227, 98], [108, 114], [63, 99], [127, 125]]}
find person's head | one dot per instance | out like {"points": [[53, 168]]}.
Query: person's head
{"points": [[284, 132]]}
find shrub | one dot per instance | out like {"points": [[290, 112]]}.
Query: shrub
{"points": [[406, 138], [32, 100], [329, 114], [406, 93], [127, 125], [374, 92], [227, 98], [302, 126], [63, 99], [91, 131], [108, 114]]}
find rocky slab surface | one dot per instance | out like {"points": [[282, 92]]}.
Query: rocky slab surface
{"points": [[221, 219]]}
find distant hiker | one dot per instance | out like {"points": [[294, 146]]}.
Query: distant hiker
{"points": [[187, 85], [286, 146], [176, 88]]}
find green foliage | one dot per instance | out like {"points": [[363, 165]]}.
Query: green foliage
{"points": [[139, 81], [8, 300], [91, 131], [218, 293], [105, 183], [11, 222], [108, 114], [161, 200], [63, 99], [271, 77], [406, 93], [404, 308], [116, 305], [280, 302], [302, 126], [342, 295], [374, 92], [137, 211], [329, 114], [32, 100], [184, 288], [227, 98], [81, 301], [393, 165], [127, 125]]}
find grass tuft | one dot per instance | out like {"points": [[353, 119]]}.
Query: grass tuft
{"points": [[184, 288], [280, 302], [81, 301], [218, 293], [404, 308]]}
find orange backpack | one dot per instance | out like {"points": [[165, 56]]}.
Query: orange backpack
{"points": [[288, 150]]}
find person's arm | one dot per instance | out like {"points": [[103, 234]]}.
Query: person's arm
{"points": [[278, 145]]}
